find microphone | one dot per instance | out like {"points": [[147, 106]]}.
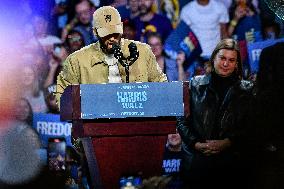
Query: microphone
{"points": [[125, 62], [134, 53], [117, 52]]}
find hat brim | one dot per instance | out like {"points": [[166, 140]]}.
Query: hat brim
{"points": [[102, 32]]}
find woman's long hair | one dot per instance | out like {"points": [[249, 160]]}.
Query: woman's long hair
{"points": [[29, 119], [228, 44]]}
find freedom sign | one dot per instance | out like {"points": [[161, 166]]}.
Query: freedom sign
{"points": [[50, 126]]}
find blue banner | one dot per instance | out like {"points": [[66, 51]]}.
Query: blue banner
{"points": [[120, 100], [254, 51], [50, 126], [182, 39]]}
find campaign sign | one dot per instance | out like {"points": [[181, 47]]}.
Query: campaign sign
{"points": [[50, 126], [183, 39], [120, 100], [254, 51]]}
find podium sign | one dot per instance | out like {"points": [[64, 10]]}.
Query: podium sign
{"points": [[136, 120], [121, 100]]}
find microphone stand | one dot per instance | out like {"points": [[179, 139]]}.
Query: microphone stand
{"points": [[126, 62]]}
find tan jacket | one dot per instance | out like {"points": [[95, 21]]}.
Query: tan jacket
{"points": [[88, 66]]}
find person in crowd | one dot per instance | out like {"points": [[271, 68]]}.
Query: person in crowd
{"points": [[244, 18], [172, 68], [43, 38], [130, 10], [72, 168], [208, 20], [245, 27], [171, 160], [60, 14], [82, 22], [172, 155], [31, 90], [56, 58], [74, 41], [24, 112], [218, 128], [38, 60], [96, 63], [271, 30], [171, 9], [50, 99], [148, 22], [20, 143], [129, 30]]}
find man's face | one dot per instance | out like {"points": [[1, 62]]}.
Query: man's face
{"points": [[109, 40], [145, 6], [225, 62], [174, 140], [134, 5], [84, 13]]}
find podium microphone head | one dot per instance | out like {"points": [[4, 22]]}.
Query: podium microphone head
{"points": [[134, 54], [116, 50]]}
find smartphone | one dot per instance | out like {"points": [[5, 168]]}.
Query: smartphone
{"points": [[133, 181], [56, 154]]}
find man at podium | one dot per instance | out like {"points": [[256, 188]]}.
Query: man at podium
{"points": [[111, 59]]}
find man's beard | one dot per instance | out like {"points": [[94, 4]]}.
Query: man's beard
{"points": [[104, 47], [145, 10]]}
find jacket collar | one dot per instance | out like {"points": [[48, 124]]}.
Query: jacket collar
{"points": [[98, 56]]}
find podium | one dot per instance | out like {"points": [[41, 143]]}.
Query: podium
{"points": [[124, 126]]}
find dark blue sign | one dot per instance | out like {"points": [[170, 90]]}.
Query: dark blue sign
{"points": [[254, 51], [120, 100], [183, 39], [50, 126]]}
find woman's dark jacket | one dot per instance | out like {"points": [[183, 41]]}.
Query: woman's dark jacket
{"points": [[213, 119]]}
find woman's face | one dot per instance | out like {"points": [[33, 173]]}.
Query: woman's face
{"points": [[28, 76], [22, 110], [225, 62], [156, 46]]}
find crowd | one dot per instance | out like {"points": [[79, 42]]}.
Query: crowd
{"points": [[182, 36], [51, 30]]}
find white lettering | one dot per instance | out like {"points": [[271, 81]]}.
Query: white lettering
{"points": [[256, 54], [54, 128]]}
